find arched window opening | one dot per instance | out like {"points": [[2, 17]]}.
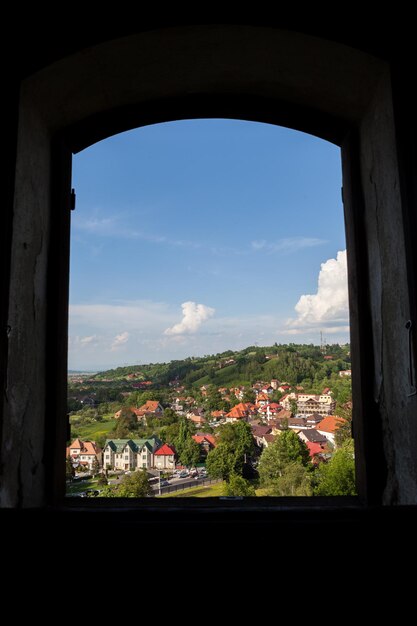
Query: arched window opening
{"points": [[209, 349]]}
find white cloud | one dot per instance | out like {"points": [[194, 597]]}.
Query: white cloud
{"points": [[114, 226], [286, 245], [328, 309], [132, 315], [119, 341], [193, 316], [88, 340]]}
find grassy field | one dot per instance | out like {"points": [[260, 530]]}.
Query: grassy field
{"points": [[211, 491], [81, 485], [92, 431]]}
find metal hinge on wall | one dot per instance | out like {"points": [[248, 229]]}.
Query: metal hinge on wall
{"points": [[73, 199]]}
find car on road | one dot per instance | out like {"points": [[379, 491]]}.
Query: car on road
{"points": [[164, 483]]}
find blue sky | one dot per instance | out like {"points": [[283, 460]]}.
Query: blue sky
{"points": [[197, 236]]}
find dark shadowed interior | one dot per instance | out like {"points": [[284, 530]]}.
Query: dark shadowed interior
{"points": [[348, 84]]}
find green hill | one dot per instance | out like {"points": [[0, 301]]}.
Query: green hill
{"points": [[293, 363]]}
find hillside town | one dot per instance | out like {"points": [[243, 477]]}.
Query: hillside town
{"points": [[147, 436]]}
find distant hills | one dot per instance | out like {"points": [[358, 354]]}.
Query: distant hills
{"points": [[293, 363]]}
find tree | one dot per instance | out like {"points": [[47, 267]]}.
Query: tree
{"points": [[95, 466], [134, 485], [239, 437], [169, 417], [213, 400], [293, 406], [344, 432], [69, 469], [238, 486], [248, 396], [220, 462], [235, 444], [287, 448], [102, 480], [184, 433], [190, 454], [337, 477], [294, 481], [169, 433], [126, 424]]}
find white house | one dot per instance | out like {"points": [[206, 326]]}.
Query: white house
{"points": [[164, 458], [328, 427], [84, 453], [308, 403], [130, 454]]}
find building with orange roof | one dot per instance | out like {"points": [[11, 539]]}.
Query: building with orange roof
{"points": [[206, 442], [241, 411], [329, 425], [151, 407], [138, 412], [218, 415], [84, 453], [262, 399]]}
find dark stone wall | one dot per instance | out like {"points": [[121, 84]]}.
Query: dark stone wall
{"points": [[317, 82]]}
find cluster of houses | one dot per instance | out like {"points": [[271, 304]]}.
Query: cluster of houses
{"points": [[123, 454], [132, 454], [311, 416]]}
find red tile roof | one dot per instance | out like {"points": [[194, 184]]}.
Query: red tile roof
{"points": [[164, 450], [198, 419], [149, 407], [314, 448], [77, 443], [330, 423], [240, 410], [201, 438], [85, 447]]}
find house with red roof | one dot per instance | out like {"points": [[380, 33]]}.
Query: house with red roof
{"points": [[206, 442], [84, 452], [237, 413], [164, 457], [138, 412], [329, 425], [196, 416], [151, 407], [262, 399], [270, 410], [242, 411], [316, 451], [218, 415]]}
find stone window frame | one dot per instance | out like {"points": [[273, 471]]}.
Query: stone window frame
{"points": [[255, 73]]}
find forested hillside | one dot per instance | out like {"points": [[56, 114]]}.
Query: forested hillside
{"points": [[294, 363]]}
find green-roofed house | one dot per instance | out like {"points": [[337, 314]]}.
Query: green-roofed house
{"points": [[130, 454]]}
